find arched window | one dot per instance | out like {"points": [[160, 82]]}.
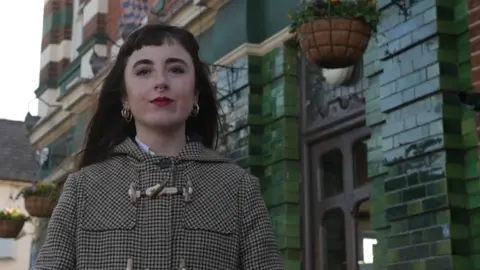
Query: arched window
{"points": [[342, 210]]}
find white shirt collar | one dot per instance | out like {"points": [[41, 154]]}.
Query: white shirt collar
{"points": [[145, 147], [142, 146]]}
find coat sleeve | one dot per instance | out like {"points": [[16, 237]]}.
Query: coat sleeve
{"points": [[259, 247], [59, 250]]}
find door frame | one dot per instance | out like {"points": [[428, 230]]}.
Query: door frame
{"points": [[312, 210]]}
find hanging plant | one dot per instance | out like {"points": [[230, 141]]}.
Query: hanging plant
{"points": [[334, 33], [40, 198], [11, 223]]}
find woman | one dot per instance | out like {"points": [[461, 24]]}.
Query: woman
{"points": [[150, 192]]}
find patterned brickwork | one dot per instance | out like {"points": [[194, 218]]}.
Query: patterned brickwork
{"points": [[97, 25], [474, 28], [114, 14], [281, 181], [57, 27], [422, 155], [471, 172]]}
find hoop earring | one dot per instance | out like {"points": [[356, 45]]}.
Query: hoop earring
{"points": [[195, 110], [126, 114]]}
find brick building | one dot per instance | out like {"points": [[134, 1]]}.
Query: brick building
{"points": [[474, 25], [388, 177]]}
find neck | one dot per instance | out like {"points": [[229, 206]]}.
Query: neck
{"points": [[164, 144]]}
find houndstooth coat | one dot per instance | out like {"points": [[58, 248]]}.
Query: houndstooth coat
{"points": [[141, 211]]}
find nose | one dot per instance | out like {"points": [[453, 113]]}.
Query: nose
{"points": [[161, 82], [161, 87]]}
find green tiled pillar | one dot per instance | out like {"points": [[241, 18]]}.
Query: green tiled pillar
{"points": [[281, 181], [259, 98], [422, 153]]}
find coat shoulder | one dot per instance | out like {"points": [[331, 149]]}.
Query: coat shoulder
{"points": [[112, 170], [106, 166], [225, 173]]}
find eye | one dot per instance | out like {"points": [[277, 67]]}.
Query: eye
{"points": [[177, 70], [143, 72]]}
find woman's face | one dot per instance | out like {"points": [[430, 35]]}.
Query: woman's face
{"points": [[160, 86]]}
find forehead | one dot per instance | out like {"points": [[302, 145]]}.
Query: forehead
{"points": [[159, 54]]}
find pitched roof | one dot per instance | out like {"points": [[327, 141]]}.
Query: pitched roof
{"points": [[17, 156]]}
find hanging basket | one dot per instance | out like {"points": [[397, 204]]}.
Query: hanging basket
{"points": [[10, 228], [334, 42], [40, 206]]}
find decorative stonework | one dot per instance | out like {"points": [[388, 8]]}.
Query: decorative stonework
{"points": [[324, 100], [56, 16]]}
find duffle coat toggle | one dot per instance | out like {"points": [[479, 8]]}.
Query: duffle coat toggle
{"points": [[182, 265], [129, 264], [133, 193], [188, 191], [153, 192]]}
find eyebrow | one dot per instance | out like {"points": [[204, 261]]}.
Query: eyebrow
{"points": [[143, 62], [175, 60], [169, 60]]}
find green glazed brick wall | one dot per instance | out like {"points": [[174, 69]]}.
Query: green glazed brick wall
{"points": [[422, 154], [281, 181], [260, 99]]}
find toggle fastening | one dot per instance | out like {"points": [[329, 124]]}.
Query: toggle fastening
{"points": [[133, 193], [153, 192], [129, 264], [188, 191], [169, 191], [182, 265]]}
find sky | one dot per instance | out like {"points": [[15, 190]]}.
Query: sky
{"points": [[21, 36]]}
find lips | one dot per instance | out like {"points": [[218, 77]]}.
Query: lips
{"points": [[161, 101]]}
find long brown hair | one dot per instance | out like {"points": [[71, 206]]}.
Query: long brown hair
{"points": [[107, 127]]}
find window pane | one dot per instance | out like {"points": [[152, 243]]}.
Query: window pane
{"points": [[366, 237], [334, 238], [7, 248], [332, 176], [360, 162]]}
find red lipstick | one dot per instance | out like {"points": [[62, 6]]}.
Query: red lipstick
{"points": [[161, 101]]}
